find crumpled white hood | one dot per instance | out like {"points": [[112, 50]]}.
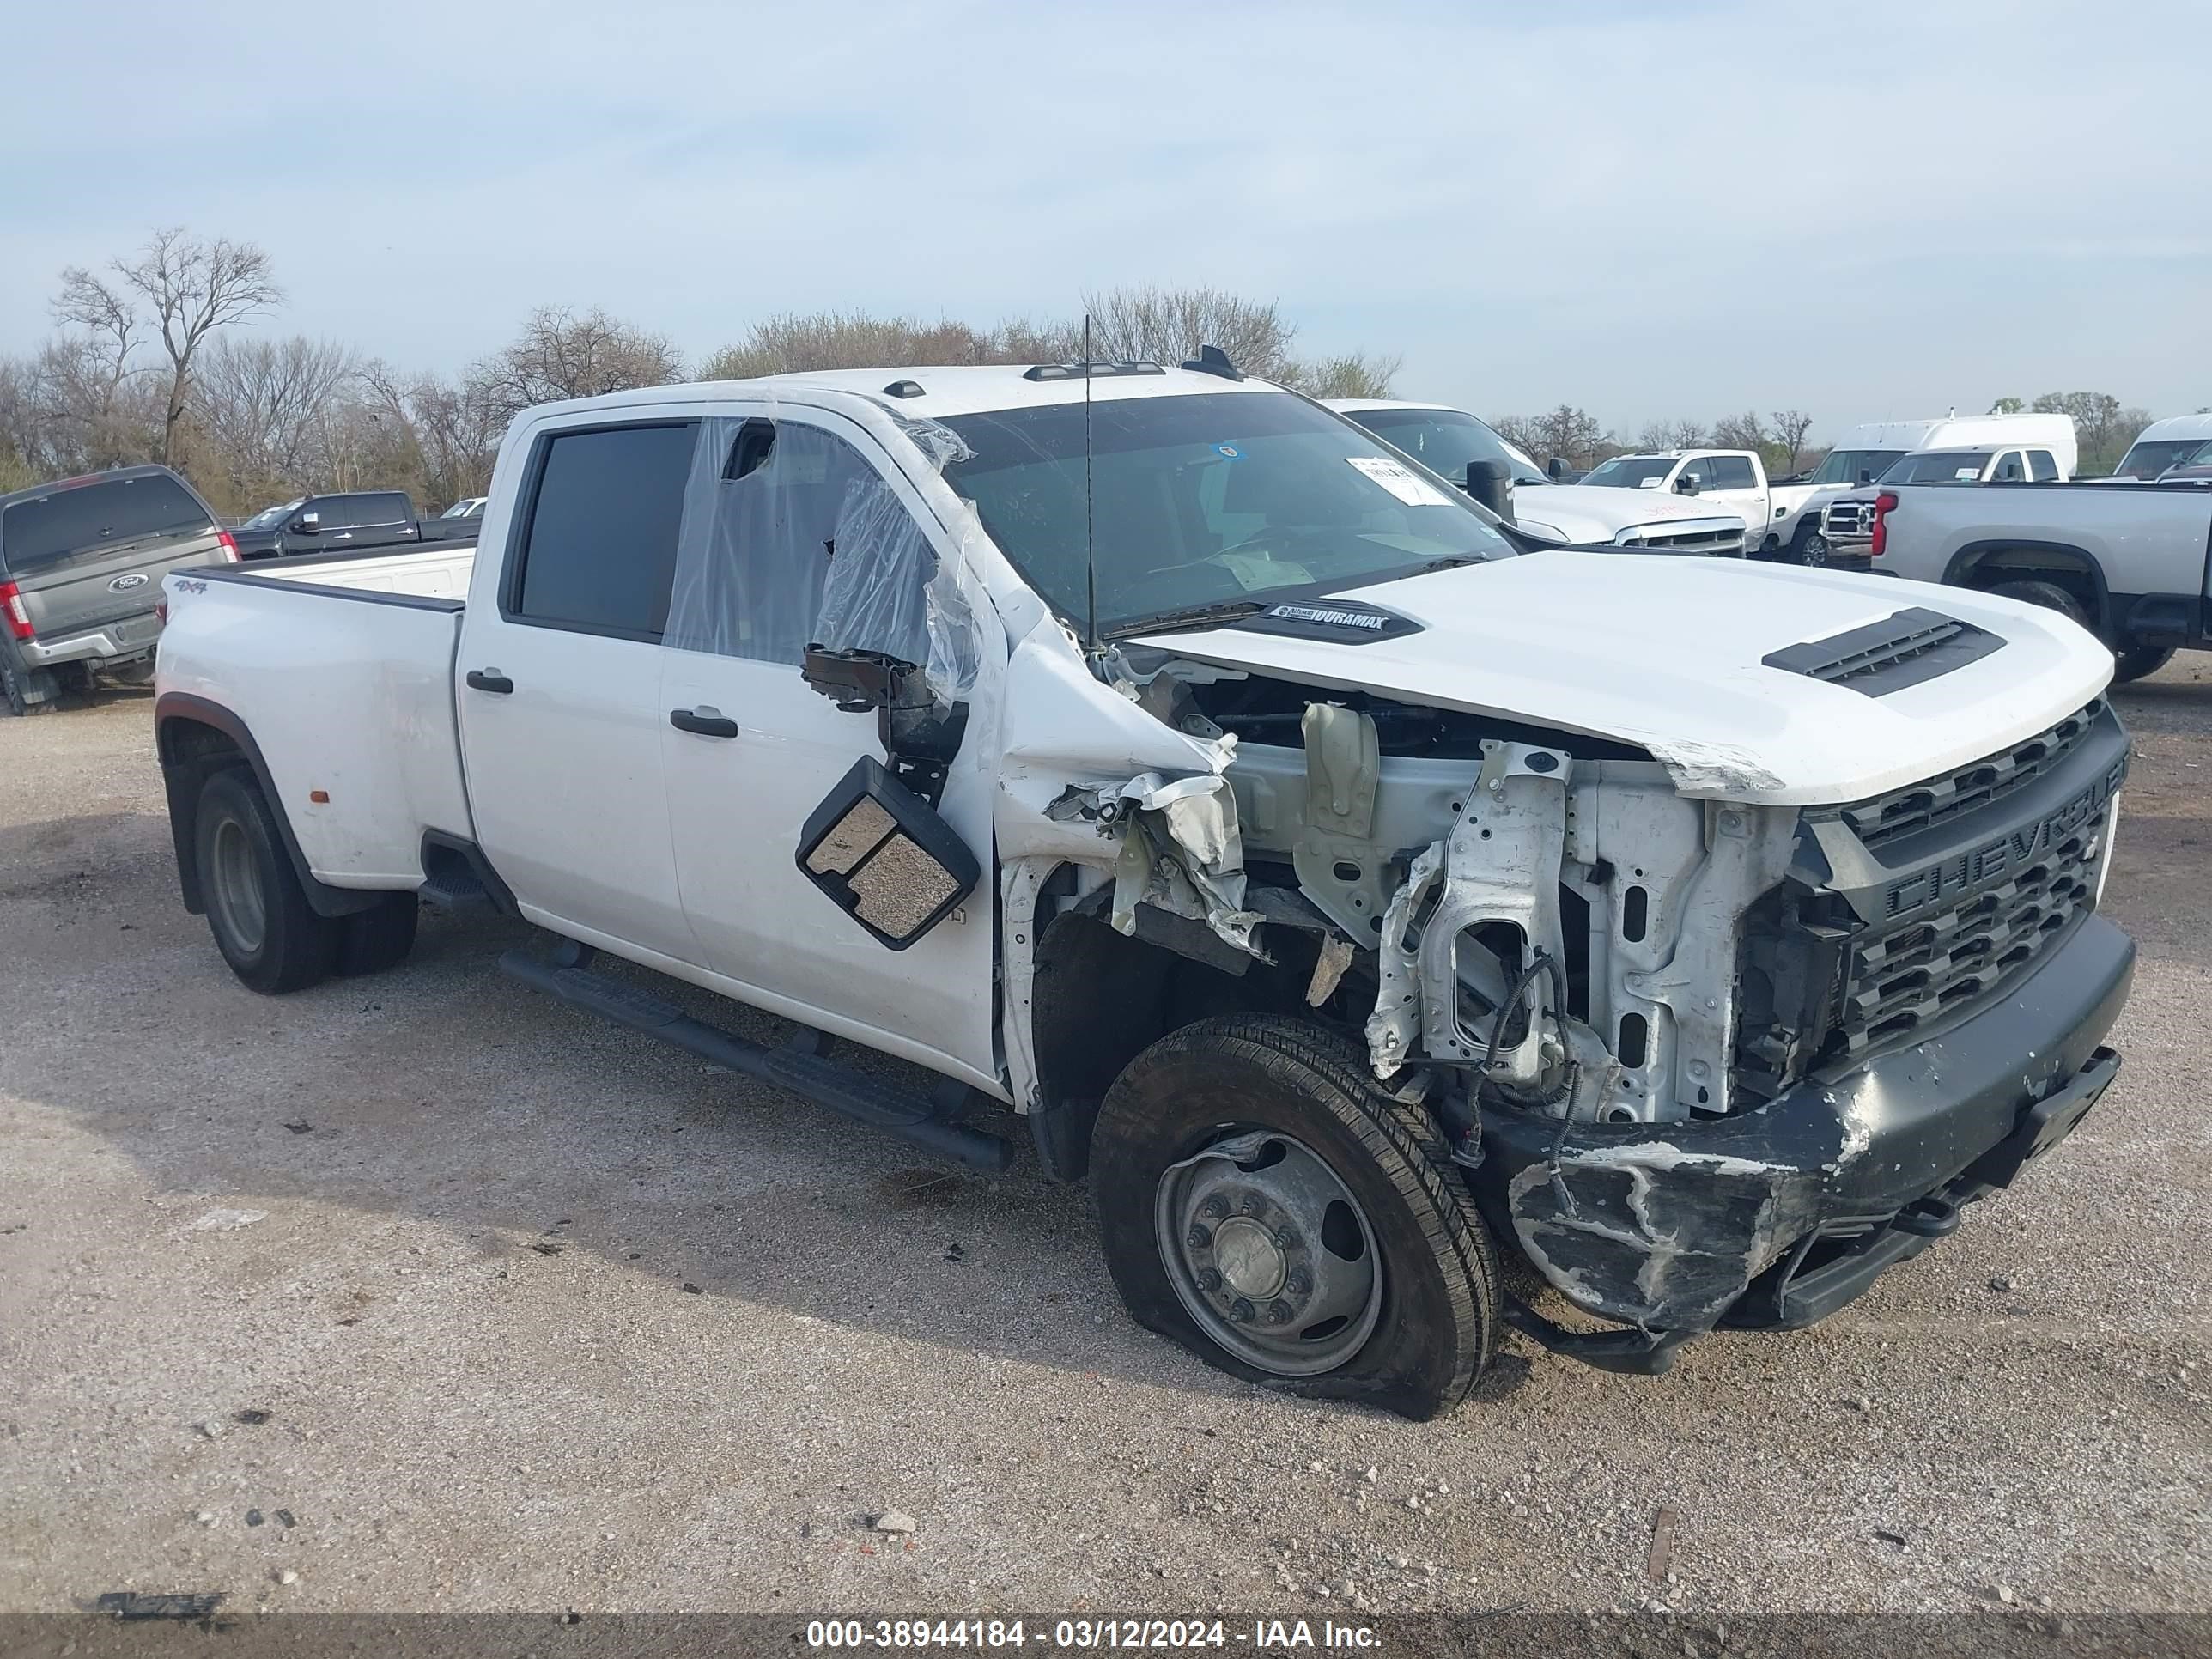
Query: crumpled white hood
{"points": [[1665, 652], [1598, 513]]}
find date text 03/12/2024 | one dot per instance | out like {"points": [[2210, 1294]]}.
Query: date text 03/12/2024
{"points": [[1257, 1635]]}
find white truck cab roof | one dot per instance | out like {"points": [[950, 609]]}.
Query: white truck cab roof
{"points": [[2028, 431]]}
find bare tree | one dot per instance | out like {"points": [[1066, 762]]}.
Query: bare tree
{"points": [[1790, 426], [1352, 374], [261, 408], [1673, 434], [792, 342], [454, 429], [193, 286], [1744, 431], [564, 354], [1169, 324]]}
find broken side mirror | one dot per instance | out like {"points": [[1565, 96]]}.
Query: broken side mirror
{"points": [[884, 857]]}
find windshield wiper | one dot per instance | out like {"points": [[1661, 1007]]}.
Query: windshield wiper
{"points": [[1193, 616]]}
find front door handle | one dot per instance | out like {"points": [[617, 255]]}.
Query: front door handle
{"points": [[706, 723], [489, 679]]}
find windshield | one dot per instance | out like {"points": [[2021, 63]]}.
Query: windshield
{"points": [[269, 517], [2147, 460], [1940, 467], [1632, 472], [108, 513], [1444, 440], [1201, 500], [464, 509], [1843, 466]]}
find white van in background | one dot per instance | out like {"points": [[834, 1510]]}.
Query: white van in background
{"points": [[2178, 440]]}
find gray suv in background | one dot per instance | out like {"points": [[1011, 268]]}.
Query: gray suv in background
{"points": [[81, 569]]}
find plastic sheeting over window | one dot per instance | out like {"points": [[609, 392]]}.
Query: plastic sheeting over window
{"points": [[793, 538]]}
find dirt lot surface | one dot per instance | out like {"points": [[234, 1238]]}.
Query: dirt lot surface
{"points": [[431, 1294]]}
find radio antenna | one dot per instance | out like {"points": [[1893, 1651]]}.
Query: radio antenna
{"points": [[1089, 531]]}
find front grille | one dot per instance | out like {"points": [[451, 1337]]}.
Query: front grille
{"points": [[1921, 805], [1912, 975], [1722, 542]]}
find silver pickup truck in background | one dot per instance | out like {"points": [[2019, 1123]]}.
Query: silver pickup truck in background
{"points": [[2132, 562]]}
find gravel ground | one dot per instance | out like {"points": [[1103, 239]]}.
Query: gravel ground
{"points": [[422, 1293]]}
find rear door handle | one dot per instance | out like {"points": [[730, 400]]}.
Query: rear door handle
{"points": [[706, 724], [483, 679]]}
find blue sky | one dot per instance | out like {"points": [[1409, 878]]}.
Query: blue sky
{"points": [[1866, 210]]}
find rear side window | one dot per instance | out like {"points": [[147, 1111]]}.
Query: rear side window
{"points": [[87, 517], [1728, 472], [357, 511], [598, 552]]}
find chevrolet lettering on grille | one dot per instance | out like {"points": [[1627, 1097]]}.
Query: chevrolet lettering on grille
{"points": [[2008, 852]]}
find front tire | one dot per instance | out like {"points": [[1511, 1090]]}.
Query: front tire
{"points": [[272, 937], [2140, 661], [1264, 1204]]}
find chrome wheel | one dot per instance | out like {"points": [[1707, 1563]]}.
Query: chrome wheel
{"points": [[236, 889], [1270, 1253]]}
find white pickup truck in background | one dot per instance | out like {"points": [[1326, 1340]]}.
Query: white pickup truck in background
{"points": [[1732, 480], [1167, 765], [1847, 522], [1446, 440], [2131, 562]]}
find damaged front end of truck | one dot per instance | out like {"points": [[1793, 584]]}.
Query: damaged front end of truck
{"points": [[1705, 1062]]}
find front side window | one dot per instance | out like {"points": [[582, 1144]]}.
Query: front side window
{"points": [[792, 537], [1631, 471], [1444, 440], [599, 543], [2010, 469], [97, 517], [1205, 499]]}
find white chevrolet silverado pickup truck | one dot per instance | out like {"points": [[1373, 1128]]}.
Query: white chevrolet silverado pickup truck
{"points": [[1155, 755], [2129, 562]]}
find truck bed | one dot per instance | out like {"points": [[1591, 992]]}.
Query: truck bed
{"points": [[341, 668]]}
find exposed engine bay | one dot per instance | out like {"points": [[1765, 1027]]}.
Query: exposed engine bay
{"points": [[1539, 912]]}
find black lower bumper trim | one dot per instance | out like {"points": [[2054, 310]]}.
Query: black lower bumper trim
{"points": [[1775, 1219]]}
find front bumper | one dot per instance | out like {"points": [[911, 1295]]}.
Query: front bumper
{"points": [[1775, 1218]]}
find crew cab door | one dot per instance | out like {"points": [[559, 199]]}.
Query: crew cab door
{"points": [[560, 701], [750, 751], [1732, 485]]}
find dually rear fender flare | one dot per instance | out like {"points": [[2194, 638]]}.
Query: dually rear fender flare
{"points": [[186, 766]]}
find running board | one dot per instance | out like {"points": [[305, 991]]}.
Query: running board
{"points": [[893, 1107]]}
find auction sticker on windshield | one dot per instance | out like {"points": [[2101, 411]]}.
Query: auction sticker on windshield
{"points": [[1408, 486]]}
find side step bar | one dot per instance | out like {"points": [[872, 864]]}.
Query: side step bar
{"points": [[890, 1107]]}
